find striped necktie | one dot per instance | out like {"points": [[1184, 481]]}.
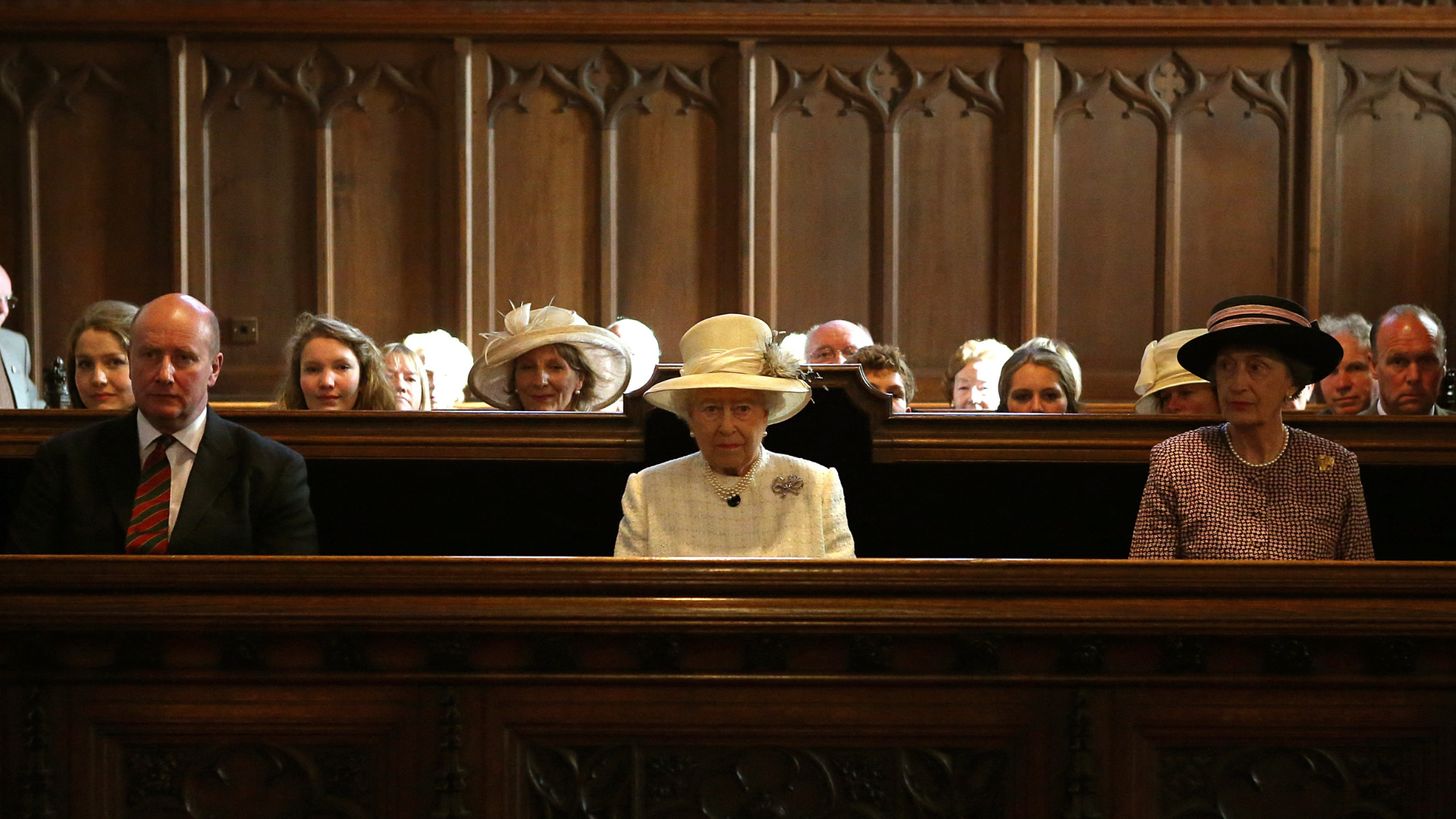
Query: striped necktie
{"points": [[147, 534]]}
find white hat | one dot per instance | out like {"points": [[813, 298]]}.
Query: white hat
{"points": [[1161, 370], [642, 344], [493, 376], [733, 351]]}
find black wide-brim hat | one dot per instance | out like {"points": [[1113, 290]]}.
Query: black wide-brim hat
{"points": [[1262, 321]]}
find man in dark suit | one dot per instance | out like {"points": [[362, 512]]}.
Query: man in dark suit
{"points": [[1409, 347], [170, 477]]}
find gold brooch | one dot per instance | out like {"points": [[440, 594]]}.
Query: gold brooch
{"points": [[785, 485], [1326, 463]]}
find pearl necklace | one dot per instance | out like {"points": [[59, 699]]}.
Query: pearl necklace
{"points": [[732, 495], [1235, 450]]}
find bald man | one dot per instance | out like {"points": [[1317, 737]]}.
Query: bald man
{"points": [[835, 341], [169, 477], [17, 391], [1409, 348]]}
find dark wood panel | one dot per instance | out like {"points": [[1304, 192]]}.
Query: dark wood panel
{"points": [[677, 188], [336, 751], [1107, 178], [542, 135], [795, 751], [1394, 122], [1116, 19], [1234, 119], [13, 207], [513, 687], [258, 130], [824, 138], [93, 142], [959, 193], [394, 266], [1366, 754]]}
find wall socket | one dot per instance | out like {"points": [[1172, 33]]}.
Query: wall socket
{"points": [[243, 330]]}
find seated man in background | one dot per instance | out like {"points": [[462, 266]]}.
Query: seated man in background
{"points": [[887, 370], [169, 477], [1168, 389], [17, 391], [1350, 389], [833, 342], [1409, 348]]}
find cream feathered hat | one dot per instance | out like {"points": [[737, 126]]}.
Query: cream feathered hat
{"points": [[493, 376], [733, 351], [1161, 370]]}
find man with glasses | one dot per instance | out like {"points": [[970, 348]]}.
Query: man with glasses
{"points": [[1409, 346], [17, 391]]}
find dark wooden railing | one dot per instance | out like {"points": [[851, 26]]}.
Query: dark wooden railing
{"points": [[367, 687]]}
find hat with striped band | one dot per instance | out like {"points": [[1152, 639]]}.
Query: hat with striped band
{"points": [[1262, 321]]}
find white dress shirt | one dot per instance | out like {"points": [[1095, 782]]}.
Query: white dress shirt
{"points": [[180, 456]]}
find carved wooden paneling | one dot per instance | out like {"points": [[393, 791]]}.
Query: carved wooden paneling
{"points": [[1238, 754], [607, 182], [255, 216], [509, 687], [327, 185], [13, 221], [774, 781], [1388, 222], [86, 179], [167, 780], [891, 184], [345, 754], [821, 116], [677, 186], [394, 190], [960, 171], [1104, 254], [1265, 781], [1172, 186], [617, 752]]}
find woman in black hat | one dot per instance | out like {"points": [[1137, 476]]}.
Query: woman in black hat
{"points": [[1252, 487]]}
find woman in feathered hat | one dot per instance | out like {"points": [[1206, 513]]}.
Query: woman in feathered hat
{"points": [[733, 498], [1252, 487], [548, 360]]}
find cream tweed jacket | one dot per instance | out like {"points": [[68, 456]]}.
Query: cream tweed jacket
{"points": [[669, 510]]}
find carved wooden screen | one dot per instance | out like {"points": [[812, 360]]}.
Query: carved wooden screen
{"points": [[1073, 186], [889, 192], [84, 183]]}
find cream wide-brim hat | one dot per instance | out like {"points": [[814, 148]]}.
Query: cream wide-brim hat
{"points": [[1160, 369], [736, 352], [493, 375]]}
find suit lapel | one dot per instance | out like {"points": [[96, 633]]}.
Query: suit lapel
{"points": [[211, 471], [122, 466], [7, 383]]}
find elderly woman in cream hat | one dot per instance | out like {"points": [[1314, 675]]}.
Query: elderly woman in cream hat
{"points": [[548, 360], [1168, 389], [733, 498], [1252, 487]]}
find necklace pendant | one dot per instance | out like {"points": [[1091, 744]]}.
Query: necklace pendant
{"points": [[733, 500]]}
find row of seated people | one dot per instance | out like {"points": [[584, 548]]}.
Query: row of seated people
{"points": [[1043, 375], [173, 478], [333, 365]]}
